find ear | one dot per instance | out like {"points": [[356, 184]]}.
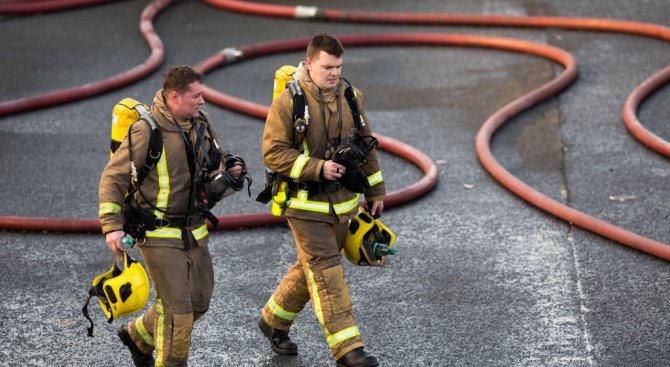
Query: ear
{"points": [[308, 62], [173, 96]]}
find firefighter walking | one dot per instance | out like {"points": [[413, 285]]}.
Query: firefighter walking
{"points": [[165, 212], [322, 195]]}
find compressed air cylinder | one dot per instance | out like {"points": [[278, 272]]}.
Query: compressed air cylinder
{"points": [[283, 75]]}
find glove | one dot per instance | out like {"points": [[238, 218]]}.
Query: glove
{"points": [[355, 180]]}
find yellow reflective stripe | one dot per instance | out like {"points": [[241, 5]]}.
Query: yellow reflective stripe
{"points": [[200, 232], [108, 208], [375, 178], [298, 166], [305, 148], [301, 202], [139, 325], [279, 311], [343, 335], [163, 186], [316, 300], [165, 232], [347, 206], [159, 332]]}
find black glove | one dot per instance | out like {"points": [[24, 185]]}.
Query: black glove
{"points": [[355, 180]]}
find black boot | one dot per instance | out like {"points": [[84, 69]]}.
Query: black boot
{"points": [[357, 358], [140, 359], [279, 340]]}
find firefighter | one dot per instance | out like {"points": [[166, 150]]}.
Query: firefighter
{"points": [[319, 207], [165, 215]]}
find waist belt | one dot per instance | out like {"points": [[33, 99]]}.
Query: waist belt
{"points": [[313, 188], [155, 222], [139, 220]]}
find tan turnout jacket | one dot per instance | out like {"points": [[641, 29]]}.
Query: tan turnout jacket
{"points": [[167, 186], [280, 155]]}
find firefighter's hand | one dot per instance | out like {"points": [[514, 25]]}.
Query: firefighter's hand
{"points": [[236, 170], [113, 240], [333, 171], [375, 208]]}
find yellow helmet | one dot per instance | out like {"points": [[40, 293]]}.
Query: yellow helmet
{"points": [[120, 292], [368, 240]]}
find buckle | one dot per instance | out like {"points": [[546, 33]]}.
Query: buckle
{"points": [[161, 222]]}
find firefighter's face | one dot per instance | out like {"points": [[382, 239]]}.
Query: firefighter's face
{"points": [[187, 105], [325, 70]]}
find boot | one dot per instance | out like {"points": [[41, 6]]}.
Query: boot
{"points": [[140, 359], [279, 340], [357, 358]]}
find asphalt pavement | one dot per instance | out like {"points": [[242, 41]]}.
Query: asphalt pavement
{"points": [[481, 278]]}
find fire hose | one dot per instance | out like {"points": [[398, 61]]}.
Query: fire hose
{"points": [[487, 130]]}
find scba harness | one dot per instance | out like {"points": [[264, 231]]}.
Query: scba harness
{"points": [[351, 151], [215, 183]]}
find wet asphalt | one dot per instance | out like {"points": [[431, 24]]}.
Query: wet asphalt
{"points": [[480, 279]]}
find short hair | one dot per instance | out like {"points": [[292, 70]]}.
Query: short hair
{"points": [[324, 42], [178, 78]]}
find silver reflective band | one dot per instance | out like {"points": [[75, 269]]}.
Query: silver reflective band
{"points": [[305, 12]]}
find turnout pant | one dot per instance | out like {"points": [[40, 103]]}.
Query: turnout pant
{"points": [[318, 274], [183, 281]]}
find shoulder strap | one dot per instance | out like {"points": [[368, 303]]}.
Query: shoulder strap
{"points": [[153, 153], [350, 96], [155, 148], [300, 112]]}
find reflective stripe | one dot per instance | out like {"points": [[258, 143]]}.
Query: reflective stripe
{"points": [[277, 310], [174, 232], [347, 206], [375, 178], [108, 208], [302, 203], [316, 300], [139, 325], [305, 147], [343, 335], [159, 337], [165, 232], [163, 186], [200, 233], [298, 166]]}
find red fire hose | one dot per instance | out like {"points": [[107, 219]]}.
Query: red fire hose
{"points": [[506, 113], [639, 94], [31, 7], [634, 100], [495, 121], [117, 81]]}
